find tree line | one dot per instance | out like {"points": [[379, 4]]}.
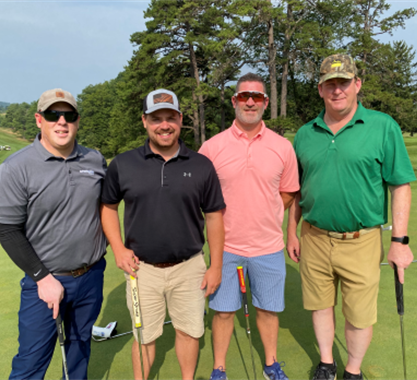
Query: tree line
{"points": [[198, 49]]}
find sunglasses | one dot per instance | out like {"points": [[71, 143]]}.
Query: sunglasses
{"points": [[69, 116], [243, 96]]}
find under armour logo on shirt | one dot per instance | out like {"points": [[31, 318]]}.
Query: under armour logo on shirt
{"points": [[187, 174]]}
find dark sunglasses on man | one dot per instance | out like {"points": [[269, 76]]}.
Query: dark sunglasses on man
{"points": [[69, 116], [243, 96]]}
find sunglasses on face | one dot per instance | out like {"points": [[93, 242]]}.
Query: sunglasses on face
{"points": [[69, 116], [243, 96]]}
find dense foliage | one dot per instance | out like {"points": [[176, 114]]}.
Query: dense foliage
{"points": [[198, 48]]}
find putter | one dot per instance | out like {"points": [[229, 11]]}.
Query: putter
{"points": [[138, 317], [246, 311], [102, 339], [60, 331], [400, 309]]}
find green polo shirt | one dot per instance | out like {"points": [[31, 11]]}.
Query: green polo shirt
{"points": [[345, 177]]}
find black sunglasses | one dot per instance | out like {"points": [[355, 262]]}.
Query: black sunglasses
{"points": [[69, 116]]}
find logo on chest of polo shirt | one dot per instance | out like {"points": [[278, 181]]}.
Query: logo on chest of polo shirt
{"points": [[187, 174], [89, 172]]}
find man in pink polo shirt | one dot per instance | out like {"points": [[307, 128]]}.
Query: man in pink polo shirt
{"points": [[258, 173]]}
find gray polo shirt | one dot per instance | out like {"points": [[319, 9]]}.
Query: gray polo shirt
{"points": [[58, 200]]}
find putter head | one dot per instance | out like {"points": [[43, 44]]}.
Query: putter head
{"points": [[105, 332]]}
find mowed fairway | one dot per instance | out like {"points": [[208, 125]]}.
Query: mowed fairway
{"points": [[297, 347]]}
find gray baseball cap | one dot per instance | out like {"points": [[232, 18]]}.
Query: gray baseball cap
{"points": [[159, 100], [55, 96]]}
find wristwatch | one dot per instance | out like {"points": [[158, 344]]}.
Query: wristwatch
{"points": [[403, 240]]}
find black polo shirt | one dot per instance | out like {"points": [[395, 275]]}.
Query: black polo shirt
{"points": [[164, 201]]}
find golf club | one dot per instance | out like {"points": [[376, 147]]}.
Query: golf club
{"points": [[61, 339], [99, 338], [137, 316], [400, 309], [241, 277]]}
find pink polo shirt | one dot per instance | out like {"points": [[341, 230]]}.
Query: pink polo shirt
{"points": [[252, 174]]}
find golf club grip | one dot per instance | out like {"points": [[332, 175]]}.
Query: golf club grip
{"points": [[399, 294], [245, 304], [58, 322], [241, 277], [135, 301]]}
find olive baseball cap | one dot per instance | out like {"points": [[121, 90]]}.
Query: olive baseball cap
{"points": [[55, 96], [159, 100], [338, 66]]}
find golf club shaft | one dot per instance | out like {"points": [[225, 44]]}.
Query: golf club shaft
{"points": [[61, 339], [241, 277], [138, 317], [399, 295]]}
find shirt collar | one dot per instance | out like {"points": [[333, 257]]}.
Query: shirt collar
{"points": [[46, 155], [183, 152], [239, 133], [359, 117]]}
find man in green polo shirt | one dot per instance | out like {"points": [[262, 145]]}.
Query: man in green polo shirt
{"points": [[348, 159]]}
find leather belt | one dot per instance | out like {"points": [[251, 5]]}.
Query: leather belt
{"points": [[76, 272], [346, 235], [167, 265]]}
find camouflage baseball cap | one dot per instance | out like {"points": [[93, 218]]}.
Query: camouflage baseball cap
{"points": [[54, 96], [338, 66]]}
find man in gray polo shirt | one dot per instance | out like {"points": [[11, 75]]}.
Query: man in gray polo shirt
{"points": [[50, 227]]}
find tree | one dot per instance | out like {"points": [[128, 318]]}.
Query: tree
{"points": [[369, 23], [95, 105], [391, 84]]}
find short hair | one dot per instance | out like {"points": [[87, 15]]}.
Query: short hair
{"points": [[250, 77]]}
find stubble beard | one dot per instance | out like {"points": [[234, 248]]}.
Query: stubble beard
{"points": [[249, 119]]}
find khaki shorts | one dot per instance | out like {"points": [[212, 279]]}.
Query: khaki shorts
{"points": [[176, 288], [355, 263]]}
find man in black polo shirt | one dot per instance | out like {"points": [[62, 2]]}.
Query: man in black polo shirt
{"points": [[166, 187], [50, 227]]}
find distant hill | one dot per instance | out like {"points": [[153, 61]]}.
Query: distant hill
{"points": [[4, 105]]}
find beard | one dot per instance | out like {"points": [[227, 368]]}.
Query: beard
{"points": [[248, 119]]}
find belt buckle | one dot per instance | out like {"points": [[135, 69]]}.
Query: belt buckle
{"points": [[79, 272]]}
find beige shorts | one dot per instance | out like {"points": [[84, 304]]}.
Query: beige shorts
{"points": [[176, 288], [355, 263]]}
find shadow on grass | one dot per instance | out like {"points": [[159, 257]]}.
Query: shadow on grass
{"points": [[103, 353], [102, 360], [299, 323], [296, 320]]}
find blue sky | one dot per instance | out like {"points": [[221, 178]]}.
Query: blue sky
{"points": [[72, 44]]}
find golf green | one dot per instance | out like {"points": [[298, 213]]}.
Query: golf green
{"points": [[297, 345]]}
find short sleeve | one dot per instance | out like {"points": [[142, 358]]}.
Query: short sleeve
{"points": [[111, 193], [289, 181], [396, 165], [212, 195], [13, 195]]}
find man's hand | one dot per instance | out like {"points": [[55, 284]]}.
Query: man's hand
{"points": [[211, 280], [400, 255], [127, 260], [293, 247], [51, 291]]}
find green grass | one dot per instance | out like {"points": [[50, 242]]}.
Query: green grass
{"points": [[7, 138], [297, 344]]}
